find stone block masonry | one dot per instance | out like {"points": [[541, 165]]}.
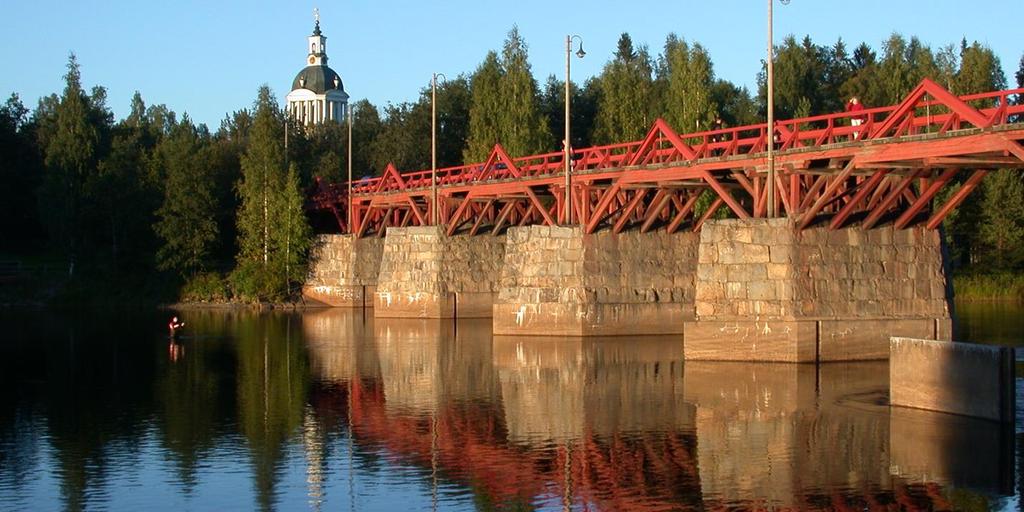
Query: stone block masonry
{"points": [[343, 270], [556, 281], [766, 291], [426, 274]]}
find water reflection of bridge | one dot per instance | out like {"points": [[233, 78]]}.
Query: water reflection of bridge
{"points": [[626, 426]]}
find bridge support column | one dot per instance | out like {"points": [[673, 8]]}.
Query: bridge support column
{"points": [[768, 292], [558, 281], [343, 270], [426, 274]]}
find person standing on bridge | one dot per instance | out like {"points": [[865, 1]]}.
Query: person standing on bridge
{"points": [[854, 106], [721, 136]]}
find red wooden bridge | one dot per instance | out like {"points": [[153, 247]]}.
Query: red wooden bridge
{"points": [[891, 167]]}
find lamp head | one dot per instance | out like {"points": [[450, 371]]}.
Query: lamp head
{"points": [[580, 53]]}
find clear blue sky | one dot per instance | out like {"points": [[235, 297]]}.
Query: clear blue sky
{"points": [[209, 57]]}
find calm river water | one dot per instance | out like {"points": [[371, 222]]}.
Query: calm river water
{"points": [[331, 410]]}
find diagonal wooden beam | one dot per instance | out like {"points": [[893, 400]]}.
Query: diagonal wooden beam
{"points": [[684, 210], [503, 216], [744, 182], [707, 215], [600, 212], [825, 196], [925, 198], [867, 188], [527, 212], [365, 221], [456, 221], [658, 130], [420, 217], [480, 218], [724, 194], [384, 220], [812, 191], [780, 184], [628, 210], [956, 198], [539, 207], [890, 199], [1014, 147], [405, 219], [661, 199]]}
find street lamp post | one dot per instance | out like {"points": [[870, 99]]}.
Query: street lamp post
{"points": [[433, 147], [771, 111], [349, 196], [567, 143], [771, 116]]}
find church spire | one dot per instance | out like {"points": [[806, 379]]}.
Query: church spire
{"points": [[317, 44]]}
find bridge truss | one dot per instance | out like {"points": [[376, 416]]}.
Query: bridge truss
{"points": [[892, 168]]}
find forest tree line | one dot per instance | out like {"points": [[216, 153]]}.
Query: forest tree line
{"points": [[221, 211]]}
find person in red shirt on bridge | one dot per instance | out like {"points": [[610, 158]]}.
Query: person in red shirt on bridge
{"points": [[855, 106]]}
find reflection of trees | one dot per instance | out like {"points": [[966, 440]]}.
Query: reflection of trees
{"points": [[20, 360], [606, 425], [97, 397], [194, 393], [272, 383]]}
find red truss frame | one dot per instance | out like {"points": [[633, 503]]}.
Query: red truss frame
{"points": [[892, 167]]}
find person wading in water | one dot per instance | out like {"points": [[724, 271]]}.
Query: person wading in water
{"points": [[174, 325]]}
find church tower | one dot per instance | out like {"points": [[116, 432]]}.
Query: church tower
{"points": [[317, 94]]}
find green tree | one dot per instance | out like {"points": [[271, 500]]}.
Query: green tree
{"points": [[736, 106], [71, 153], [839, 69], [292, 236], [20, 166], [186, 222], [626, 95], [453, 102], [864, 82], [582, 112], [1002, 229], [980, 71], [904, 64], [404, 138], [801, 74], [262, 177], [522, 129], [366, 127], [274, 235], [484, 110], [688, 78]]}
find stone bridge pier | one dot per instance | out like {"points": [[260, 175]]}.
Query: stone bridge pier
{"points": [[343, 270], [425, 273], [558, 281], [766, 291], [740, 290]]}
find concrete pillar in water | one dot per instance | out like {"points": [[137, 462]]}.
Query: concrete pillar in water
{"points": [[343, 270], [768, 292], [558, 281], [426, 274]]}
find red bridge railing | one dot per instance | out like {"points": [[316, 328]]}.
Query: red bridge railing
{"points": [[733, 154]]}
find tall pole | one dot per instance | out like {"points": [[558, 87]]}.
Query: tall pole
{"points": [[433, 150], [771, 117], [349, 196], [566, 143]]}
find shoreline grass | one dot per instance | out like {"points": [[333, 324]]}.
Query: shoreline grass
{"points": [[989, 287]]}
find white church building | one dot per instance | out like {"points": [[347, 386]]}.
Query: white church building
{"points": [[317, 94]]}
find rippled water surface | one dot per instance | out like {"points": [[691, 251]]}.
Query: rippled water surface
{"points": [[334, 410]]}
